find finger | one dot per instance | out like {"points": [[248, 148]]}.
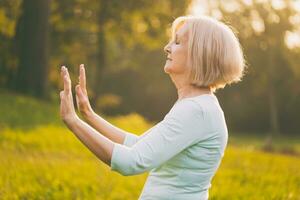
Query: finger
{"points": [[79, 91], [77, 101], [67, 84], [78, 95], [66, 79], [62, 72], [82, 78], [77, 88], [61, 94]]}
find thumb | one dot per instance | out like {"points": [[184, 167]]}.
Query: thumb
{"points": [[79, 92], [61, 95]]}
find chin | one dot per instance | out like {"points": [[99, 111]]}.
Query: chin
{"points": [[167, 69]]}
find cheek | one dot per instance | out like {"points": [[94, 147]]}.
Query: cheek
{"points": [[178, 63]]}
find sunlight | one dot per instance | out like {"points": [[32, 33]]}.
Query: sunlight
{"points": [[273, 18], [198, 7], [278, 4], [257, 22], [295, 19], [292, 39], [230, 6], [248, 2], [201, 7], [296, 5], [217, 14]]}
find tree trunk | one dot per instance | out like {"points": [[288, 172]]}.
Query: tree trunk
{"points": [[273, 108], [32, 48], [101, 57], [274, 122]]}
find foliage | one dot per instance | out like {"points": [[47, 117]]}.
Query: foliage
{"points": [[268, 91], [49, 162], [135, 34], [9, 13]]}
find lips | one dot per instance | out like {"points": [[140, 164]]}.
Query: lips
{"points": [[169, 59]]}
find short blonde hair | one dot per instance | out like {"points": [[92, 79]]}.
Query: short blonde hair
{"points": [[215, 56]]}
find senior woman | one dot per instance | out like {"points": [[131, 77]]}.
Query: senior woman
{"points": [[184, 150]]}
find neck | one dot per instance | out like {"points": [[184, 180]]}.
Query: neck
{"points": [[184, 89], [191, 91]]}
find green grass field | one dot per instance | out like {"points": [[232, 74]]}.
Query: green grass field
{"points": [[48, 162]]}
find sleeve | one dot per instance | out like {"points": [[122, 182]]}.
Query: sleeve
{"points": [[182, 127], [130, 139]]}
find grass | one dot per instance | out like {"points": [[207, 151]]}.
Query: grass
{"points": [[47, 161], [25, 112], [289, 144]]}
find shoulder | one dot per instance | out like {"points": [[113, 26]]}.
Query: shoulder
{"points": [[186, 117], [187, 108]]}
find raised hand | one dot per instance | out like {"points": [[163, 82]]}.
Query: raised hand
{"points": [[67, 111], [82, 99]]}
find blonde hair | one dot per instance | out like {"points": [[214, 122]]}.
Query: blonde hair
{"points": [[215, 57]]}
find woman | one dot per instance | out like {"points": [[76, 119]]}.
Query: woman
{"points": [[184, 150]]}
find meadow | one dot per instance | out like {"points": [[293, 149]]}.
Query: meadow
{"points": [[41, 159]]}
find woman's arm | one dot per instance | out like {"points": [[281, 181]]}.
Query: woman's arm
{"points": [[185, 126], [101, 146], [104, 127], [98, 144]]}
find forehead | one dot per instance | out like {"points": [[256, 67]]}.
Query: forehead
{"points": [[182, 31]]}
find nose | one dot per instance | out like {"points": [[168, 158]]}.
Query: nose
{"points": [[167, 48]]}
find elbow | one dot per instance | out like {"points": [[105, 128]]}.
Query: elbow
{"points": [[128, 163], [127, 173], [130, 171]]}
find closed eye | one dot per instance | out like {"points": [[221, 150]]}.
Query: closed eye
{"points": [[176, 39]]}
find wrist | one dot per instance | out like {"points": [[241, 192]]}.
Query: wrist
{"points": [[70, 120], [88, 115]]}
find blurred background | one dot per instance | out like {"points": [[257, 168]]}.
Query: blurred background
{"points": [[121, 44]]}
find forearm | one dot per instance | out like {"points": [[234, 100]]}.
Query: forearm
{"points": [[110, 131], [98, 144]]}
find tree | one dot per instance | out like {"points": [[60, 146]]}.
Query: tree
{"points": [[262, 28], [135, 34], [114, 38], [32, 48]]}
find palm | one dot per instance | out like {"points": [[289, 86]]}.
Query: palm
{"points": [[82, 99], [67, 110]]}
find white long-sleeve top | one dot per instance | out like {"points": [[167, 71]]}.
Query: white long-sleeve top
{"points": [[182, 152]]}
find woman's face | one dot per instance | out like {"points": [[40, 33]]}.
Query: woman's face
{"points": [[177, 50]]}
